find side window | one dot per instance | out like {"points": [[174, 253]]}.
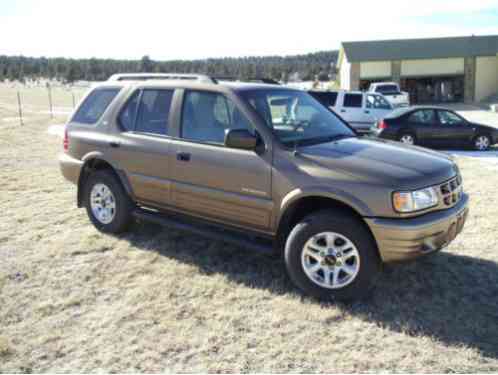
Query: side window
{"points": [[129, 112], [353, 100], [153, 111], [328, 99], [449, 118], [377, 102], [425, 116], [206, 116], [94, 106]]}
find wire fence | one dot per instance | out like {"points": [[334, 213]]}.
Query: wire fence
{"points": [[27, 104]]}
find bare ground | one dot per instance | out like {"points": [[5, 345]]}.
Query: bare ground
{"points": [[75, 300]]}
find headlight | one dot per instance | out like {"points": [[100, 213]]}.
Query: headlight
{"points": [[410, 201]]}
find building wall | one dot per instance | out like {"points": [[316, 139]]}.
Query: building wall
{"points": [[486, 77], [354, 77], [411, 68], [375, 69], [345, 74]]}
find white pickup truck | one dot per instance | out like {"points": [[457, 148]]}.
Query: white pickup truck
{"points": [[392, 93], [360, 109]]}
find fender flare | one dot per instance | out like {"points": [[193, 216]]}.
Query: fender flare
{"points": [[98, 156], [321, 192]]}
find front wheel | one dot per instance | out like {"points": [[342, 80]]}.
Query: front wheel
{"points": [[481, 142], [332, 256]]}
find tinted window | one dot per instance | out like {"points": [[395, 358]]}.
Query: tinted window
{"points": [[207, 115], [154, 111], [328, 99], [387, 89], [353, 100], [449, 118], [377, 102], [94, 106], [425, 116], [128, 113]]}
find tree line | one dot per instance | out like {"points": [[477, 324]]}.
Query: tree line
{"points": [[311, 66]]}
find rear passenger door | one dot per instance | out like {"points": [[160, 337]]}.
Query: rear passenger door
{"points": [[143, 146], [212, 181], [352, 111], [424, 125]]}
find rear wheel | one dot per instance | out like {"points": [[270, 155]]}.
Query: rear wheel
{"points": [[107, 204], [481, 142], [332, 256], [407, 138]]}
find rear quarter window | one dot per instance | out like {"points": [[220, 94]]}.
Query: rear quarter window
{"points": [[328, 99], [95, 105], [353, 100]]}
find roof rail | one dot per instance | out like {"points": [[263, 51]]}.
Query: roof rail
{"points": [[269, 81], [161, 76]]}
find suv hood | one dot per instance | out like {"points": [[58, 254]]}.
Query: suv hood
{"points": [[382, 162]]}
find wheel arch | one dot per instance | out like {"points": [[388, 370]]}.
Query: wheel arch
{"points": [[299, 206], [96, 162]]}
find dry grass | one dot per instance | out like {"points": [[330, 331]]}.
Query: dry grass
{"points": [[75, 300]]}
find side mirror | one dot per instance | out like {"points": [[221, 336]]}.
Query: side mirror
{"points": [[241, 139]]}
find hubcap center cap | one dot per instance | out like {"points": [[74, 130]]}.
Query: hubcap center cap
{"points": [[330, 260]]}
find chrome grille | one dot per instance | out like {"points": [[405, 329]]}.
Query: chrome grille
{"points": [[451, 191]]}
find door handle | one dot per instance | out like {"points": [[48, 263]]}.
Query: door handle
{"points": [[367, 111], [183, 156], [114, 144], [343, 110]]}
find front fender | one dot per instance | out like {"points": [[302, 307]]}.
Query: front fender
{"points": [[323, 192]]}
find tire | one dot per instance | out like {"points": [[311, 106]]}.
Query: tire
{"points": [[481, 142], [407, 138], [120, 217], [343, 224]]}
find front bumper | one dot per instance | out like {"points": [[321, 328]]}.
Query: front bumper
{"points": [[405, 239], [70, 167]]}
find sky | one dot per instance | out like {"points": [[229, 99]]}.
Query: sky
{"points": [[189, 29]]}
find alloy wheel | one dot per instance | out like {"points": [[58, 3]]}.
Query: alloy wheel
{"points": [[330, 260], [407, 139], [103, 203], [481, 142]]}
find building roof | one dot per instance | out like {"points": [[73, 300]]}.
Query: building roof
{"points": [[410, 49]]}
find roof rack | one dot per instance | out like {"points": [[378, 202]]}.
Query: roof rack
{"points": [[269, 81], [161, 76]]}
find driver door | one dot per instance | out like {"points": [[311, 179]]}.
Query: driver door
{"points": [[211, 180], [454, 129]]}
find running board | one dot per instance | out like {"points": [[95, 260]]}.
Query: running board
{"points": [[213, 231]]}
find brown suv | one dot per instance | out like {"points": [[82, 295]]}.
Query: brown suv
{"points": [[265, 167]]}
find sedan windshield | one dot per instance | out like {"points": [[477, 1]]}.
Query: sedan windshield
{"points": [[295, 117]]}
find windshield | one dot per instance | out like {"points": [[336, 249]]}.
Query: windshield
{"points": [[295, 117]]}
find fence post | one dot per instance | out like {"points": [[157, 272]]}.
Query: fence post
{"points": [[20, 107], [74, 102], [50, 101]]}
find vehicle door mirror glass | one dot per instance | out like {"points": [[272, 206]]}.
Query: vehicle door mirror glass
{"points": [[240, 139]]}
